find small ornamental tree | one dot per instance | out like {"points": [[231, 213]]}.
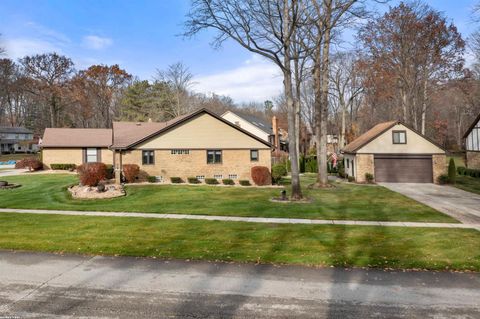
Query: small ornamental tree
{"points": [[278, 171], [261, 175], [130, 172], [452, 171], [92, 173]]}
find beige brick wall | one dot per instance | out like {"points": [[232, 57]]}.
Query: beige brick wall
{"points": [[195, 164], [363, 164], [71, 156], [473, 160], [439, 163]]}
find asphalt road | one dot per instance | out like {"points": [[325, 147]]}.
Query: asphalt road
{"points": [[46, 285]]}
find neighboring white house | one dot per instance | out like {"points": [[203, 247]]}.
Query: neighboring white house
{"points": [[252, 124], [472, 144], [17, 140]]}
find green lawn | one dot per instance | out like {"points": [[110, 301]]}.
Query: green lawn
{"points": [[335, 245], [467, 183], [342, 202], [8, 157]]}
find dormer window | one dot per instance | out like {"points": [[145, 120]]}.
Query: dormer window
{"points": [[399, 137]]}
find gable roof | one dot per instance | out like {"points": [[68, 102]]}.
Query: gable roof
{"points": [[470, 129], [15, 130], [255, 121], [77, 137], [378, 130], [129, 134], [368, 136]]}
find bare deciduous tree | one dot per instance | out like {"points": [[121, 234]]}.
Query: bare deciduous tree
{"points": [[50, 74], [262, 27], [180, 79]]}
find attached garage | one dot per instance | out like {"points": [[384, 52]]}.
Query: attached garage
{"points": [[395, 153]]}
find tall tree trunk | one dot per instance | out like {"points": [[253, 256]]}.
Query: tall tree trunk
{"points": [[297, 106], [424, 102], [404, 98], [53, 111], [287, 83], [322, 178], [341, 142]]}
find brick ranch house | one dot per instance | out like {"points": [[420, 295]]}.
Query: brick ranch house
{"points": [[200, 144], [472, 144], [394, 152]]}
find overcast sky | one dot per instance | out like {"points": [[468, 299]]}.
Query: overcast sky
{"points": [[142, 36]]}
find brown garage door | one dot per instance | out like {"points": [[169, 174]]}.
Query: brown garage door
{"points": [[403, 168]]}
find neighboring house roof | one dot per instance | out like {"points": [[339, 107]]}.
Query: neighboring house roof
{"points": [[256, 121], [128, 134], [368, 136], [375, 132], [77, 137], [470, 129], [15, 130]]}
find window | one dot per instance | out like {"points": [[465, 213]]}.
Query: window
{"points": [[399, 137], [232, 176], [214, 157], [180, 152], [348, 163], [218, 176], [148, 157], [254, 155], [200, 177], [91, 155]]}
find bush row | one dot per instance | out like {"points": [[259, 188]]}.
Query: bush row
{"points": [[66, 167], [209, 181], [468, 172]]}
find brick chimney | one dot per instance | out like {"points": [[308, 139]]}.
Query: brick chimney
{"points": [[276, 142]]}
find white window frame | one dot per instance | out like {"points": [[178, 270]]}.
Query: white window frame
{"points": [[91, 152]]}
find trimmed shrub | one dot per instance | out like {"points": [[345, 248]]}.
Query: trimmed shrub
{"points": [[211, 181], [130, 172], [261, 175], [302, 163], [32, 164], [452, 171], [110, 171], [91, 174], [67, 167], [369, 178], [193, 180], [341, 170], [443, 179], [244, 182], [461, 170], [311, 165], [152, 179], [278, 171], [176, 180], [351, 179], [228, 181]]}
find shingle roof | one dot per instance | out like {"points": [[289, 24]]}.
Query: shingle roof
{"points": [[472, 126], [258, 122], [368, 136], [128, 134], [77, 137], [15, 130]]}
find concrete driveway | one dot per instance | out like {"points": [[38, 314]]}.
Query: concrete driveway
{"points": [[461, 205], [37, 285], [11, 172]]}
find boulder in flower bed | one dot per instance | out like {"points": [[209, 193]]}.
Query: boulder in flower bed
{"points": [[92, 192]]}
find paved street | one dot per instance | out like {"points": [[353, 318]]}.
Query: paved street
{"points": [[47, 285], [461, 205]]}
